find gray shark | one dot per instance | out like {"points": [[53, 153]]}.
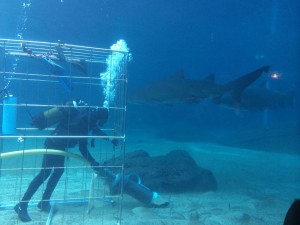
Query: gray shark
{"points": [[258, 99], [177, 89]]}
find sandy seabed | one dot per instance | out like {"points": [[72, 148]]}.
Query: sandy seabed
{"points": [[254, 188]]}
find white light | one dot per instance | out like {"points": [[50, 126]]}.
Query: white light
{"points": [[275, 76]]}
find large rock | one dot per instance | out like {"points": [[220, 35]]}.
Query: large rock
{"points": [[176, 171]]}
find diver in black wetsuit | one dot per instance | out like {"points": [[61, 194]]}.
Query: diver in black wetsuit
{"points": [[72, 123], [75, 122]]}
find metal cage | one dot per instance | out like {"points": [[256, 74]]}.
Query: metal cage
{"points": [[29, 79]]}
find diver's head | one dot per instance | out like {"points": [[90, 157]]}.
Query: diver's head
{"points": [[98, 117]]}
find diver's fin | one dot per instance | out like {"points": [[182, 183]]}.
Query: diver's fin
{"points": [[60, 53], [80, 65], [59, 71]]}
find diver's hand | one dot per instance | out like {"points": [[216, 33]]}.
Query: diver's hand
{"points": [[96, 167], [39, 121], [115, 142]]}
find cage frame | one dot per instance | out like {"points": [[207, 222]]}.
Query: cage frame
{"points": [[71, 53]]}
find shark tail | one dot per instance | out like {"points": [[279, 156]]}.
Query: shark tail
{"points": [[237, 86]]}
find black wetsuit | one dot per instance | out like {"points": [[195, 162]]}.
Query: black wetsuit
{"points": [[76, 125]]}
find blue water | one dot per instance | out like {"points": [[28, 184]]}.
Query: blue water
{"points": [[227, 38]]}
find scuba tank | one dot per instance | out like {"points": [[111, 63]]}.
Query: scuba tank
{"points": [[9, 115], [47, 118], [132, 186], [52, 116]]}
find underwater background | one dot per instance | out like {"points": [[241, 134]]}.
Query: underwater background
{"points": [[227, 38]]}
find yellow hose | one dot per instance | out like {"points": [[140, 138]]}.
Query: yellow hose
{"points": [[42, 151]]}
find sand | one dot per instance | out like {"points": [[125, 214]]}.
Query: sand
{"points": [[254, 188]]}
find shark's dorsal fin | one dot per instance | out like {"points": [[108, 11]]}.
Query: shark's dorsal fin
{"points": [[210, 78]]}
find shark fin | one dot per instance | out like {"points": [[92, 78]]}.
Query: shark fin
{"points": [[237, 86]]}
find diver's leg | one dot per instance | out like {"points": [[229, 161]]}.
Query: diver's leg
{"points": [[58, 170], [21, 208]]}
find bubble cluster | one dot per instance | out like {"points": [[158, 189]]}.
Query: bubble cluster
{"points": [[113, 70]]}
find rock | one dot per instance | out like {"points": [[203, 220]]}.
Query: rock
{"points": [[176, 171], [292, 216]]}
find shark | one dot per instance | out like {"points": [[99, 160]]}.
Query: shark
{"points": [[178, 89], [258, 99]]}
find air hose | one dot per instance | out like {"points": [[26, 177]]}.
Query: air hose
{"points": [[131, 183]]}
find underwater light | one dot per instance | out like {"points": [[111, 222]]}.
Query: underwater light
{"points": [[275, 75]]}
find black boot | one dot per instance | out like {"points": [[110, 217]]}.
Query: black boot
{"points": [[22, 212], [44, 206]]}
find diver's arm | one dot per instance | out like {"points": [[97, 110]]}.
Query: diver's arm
{"points": [[85, 152], [100, 132]]}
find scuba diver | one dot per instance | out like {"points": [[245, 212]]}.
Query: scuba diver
{"points": [[75, 118], [54, 68], [71, 121]]}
